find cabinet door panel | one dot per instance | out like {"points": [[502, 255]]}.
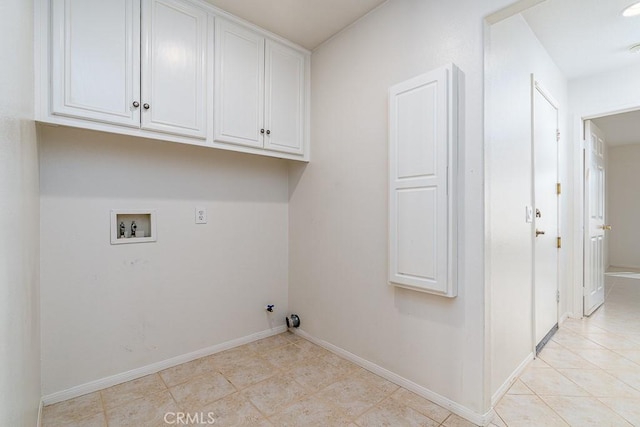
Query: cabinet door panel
{"points": [[96, 60], [239, 98], [284, 110], [174, 67]]}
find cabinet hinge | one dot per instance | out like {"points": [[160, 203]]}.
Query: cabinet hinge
{"points": [[557, 296], [559, 242], [558, 188]]}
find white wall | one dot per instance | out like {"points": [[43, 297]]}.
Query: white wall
{"points": [[107, 309], [514, 54], [338, 204], [19, 221], [589, 97], [623, 175]]}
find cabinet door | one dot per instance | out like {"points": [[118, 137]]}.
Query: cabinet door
{"points": [[284, 96], [239, 85], [95, 55], [174, 67]]}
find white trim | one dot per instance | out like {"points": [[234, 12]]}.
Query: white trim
{"points": [[39, 423], [456, 408], [133, 374], [502, 390], [564, 317]]}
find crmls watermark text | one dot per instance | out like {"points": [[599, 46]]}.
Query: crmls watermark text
{"points": [[184, 418]]}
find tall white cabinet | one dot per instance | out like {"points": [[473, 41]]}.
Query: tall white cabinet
{"points": [[174, 70], [260, 91]]}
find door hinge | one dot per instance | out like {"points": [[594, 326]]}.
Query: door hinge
{"points": [[558, 188], [557, 296], [557, 135], [559, 242]]}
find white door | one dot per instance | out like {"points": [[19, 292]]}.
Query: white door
{"points": [[594, 199], [239, 85], [174, 67], [284, 98], [545, 149], [95, 56]]}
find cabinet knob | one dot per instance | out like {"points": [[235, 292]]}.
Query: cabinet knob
{"points": [[261, 130], [146, 106], [268, 132], [136, 104]]}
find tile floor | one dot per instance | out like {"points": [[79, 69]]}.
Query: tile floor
{"points": [[588, 375]]}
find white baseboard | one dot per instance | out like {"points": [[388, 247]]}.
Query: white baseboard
{"points": [[502, 390], [564, 317], [456, 408], [133, 374]]}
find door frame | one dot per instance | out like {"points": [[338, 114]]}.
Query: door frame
{"points": [[579, 214], [536, 85]]}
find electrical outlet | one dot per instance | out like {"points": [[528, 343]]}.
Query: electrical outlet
{"points": [[201, 215]]}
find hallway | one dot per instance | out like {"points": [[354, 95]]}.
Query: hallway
{"points": [[589, 374]]}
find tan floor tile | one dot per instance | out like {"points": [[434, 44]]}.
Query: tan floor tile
{"points": [[607, 359], [599, 383], [97, 420], [614, 342], [393, 413], [336, 360], [537, 363], [527, 411], [149, 411], [420, 404], [353, 394], [234, 410], [377, 381], [73, 409], [633, 355], [630, 377], [518, 387], [284, 357], [251, 371], [233, 357], [200, 391], [497, 422], [186, 371], [317, 373], [564, 358], [457, 421], [585, 411], [269, 343], [272, 395], [311, 411], [628, 408], [310, 349], [574, 341], [548, 381], [291, 336], [131, 390]]}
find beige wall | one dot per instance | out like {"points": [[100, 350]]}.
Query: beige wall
{"points": [[623, 175], [108, 309], [338, 204], [514, 54], [19, 221]]}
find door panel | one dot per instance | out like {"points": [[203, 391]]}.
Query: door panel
{"points": [[594, 267], [545, 147], [284, 108], [96, 60], [239, 105], [174, 67]]}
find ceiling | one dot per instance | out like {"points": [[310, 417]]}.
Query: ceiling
{"points": [[620, 129], [305, 22], [586, 36]]}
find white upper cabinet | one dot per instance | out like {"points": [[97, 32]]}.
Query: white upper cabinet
{"points": [[174, 67], [260, 91], [284, 98], [239, 89], [173, 70], [95, 52]]}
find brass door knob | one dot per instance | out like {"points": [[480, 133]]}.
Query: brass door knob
{"points": [[538, 232], [606, 227]]}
